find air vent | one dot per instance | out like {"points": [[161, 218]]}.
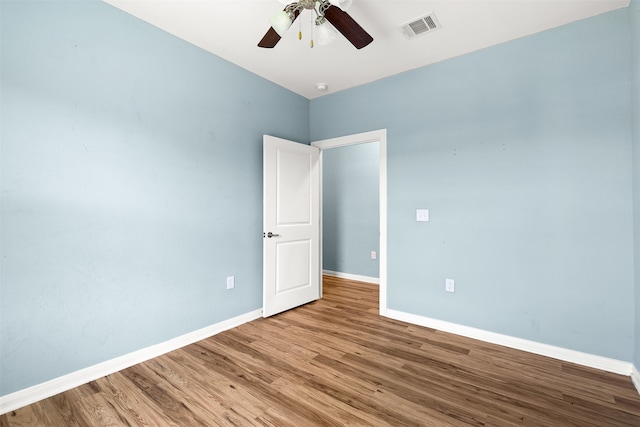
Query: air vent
{"points": [[420, 26]]}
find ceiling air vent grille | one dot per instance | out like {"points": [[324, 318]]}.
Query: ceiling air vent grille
{"points": [[420, 26]]}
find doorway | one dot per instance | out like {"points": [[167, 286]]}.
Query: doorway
{"points": [[379, 137]]}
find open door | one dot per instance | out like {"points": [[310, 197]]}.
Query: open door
{"points": [[291, 220]]}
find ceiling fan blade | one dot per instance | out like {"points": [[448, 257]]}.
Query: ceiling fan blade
{"points": [[349, 28], [271, 37]]}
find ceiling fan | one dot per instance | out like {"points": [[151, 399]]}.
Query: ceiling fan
{"points": [[331, 11]]}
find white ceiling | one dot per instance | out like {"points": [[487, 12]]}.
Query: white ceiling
{"points": [[231, 29]]}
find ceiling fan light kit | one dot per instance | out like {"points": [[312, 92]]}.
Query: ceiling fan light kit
{"points": [[326, 12], [325, 33], [281, 22], [342, 4]]}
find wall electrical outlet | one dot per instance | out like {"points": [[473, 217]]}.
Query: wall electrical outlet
{"points": [[422, 215], [231, 282], [374, 255], [449, 285]]}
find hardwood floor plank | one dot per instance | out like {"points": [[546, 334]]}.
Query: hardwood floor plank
{"points": [[102, 412], [589, 408], [631, 405], [336, 362], [221, 394], [131, 401], [385, 383], [22, 417], [64, 405], [197, 397], [366, 397], [163, 397], [329, 408], [258, 383]]}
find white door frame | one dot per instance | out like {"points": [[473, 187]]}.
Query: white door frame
{"points": [[379, 136]]}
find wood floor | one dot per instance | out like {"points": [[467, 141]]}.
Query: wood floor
{"points": [[335, 362]]}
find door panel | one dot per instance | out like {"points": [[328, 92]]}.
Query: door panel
{"points": [[293, 265], [291, 261], [294, 188]]}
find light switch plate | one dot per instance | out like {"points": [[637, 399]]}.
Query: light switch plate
{"points": [[231, 282], [422, 215]]}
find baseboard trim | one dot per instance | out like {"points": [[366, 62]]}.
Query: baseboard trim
{"points": [[366, 279], [567, 355], [635, 378], [50, 388]]}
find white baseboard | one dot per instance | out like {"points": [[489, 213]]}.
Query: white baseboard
{"points": [[573, 356], [366, 279], [635, 378], [50, 388]]}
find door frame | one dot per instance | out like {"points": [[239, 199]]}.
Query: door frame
{"points": [[379, 136]]}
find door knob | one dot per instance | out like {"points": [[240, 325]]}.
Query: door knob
{"points": [[270, 235]]}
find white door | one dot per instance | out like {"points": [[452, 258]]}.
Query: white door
{"points": [[291, 254]]}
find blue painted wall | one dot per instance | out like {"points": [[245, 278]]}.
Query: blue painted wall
{"points": [[350, 209], [522, 154], [634, 16], [131, 186]]}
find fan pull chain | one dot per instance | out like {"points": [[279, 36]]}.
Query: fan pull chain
{"points": [[300, 29], [311, 30]]}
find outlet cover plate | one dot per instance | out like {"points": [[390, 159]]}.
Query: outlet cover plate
{"points": [[449, 285], [231, 282], [422, 215]]}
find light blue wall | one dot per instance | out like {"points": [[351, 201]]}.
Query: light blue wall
{"points": [[131, 186], [522, 154], [350, 209], [634, 15]]}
